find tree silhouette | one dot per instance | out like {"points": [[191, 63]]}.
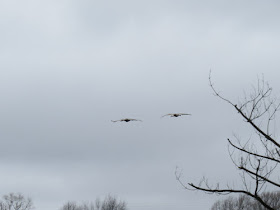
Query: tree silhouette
{"points": [[109, 203], [16, 202], [247, 203], [256, 158]]}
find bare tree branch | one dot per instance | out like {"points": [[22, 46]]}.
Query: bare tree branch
{"points": [[258, 158], [251, 153]]}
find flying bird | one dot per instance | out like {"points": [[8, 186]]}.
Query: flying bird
{"points": [[125, 120], [175, 114]]}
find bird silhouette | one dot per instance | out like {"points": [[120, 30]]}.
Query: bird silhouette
{"points": [[126, 120], [175, 114]]}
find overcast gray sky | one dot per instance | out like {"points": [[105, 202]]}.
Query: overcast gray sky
{"points": [[67, 68]]}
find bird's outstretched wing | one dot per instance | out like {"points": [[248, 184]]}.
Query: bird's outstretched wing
{"points": [[167, 115], [183, 114], [134, 120]]}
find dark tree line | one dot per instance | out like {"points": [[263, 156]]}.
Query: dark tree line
{"points": [[246, 202], [109, 203], [16, 202], [257, 158]]}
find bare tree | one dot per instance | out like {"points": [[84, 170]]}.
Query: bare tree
{"points": [[246, 202], [231, 203], [109, 203], [70, 206], [256, 158], [16, 202]]}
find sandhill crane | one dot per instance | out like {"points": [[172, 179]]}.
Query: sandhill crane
{"points": [[175, 114], [125, 120]]}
